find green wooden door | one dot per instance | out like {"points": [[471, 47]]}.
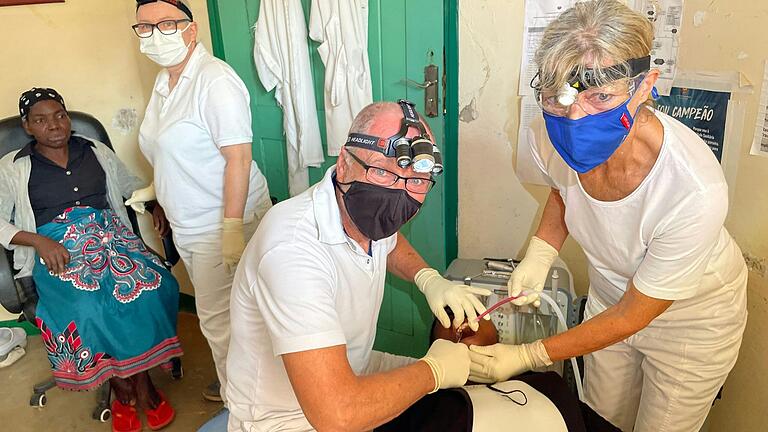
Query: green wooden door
{"points": [[404, 37]]}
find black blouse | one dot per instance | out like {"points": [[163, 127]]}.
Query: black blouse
{"points": [[53, 189]]}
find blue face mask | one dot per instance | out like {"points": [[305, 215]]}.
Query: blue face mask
{"points": [[589, 141]]}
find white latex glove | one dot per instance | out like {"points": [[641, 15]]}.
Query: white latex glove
{"points": [[532, 272], [232, 243], [501, 362], [141, 196], [441, 292], [449, 362]]}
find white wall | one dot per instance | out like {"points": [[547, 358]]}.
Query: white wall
{"points": [[87, 51], [497, 214]]}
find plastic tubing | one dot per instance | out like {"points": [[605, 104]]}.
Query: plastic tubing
{"points": [[554, 306], [577, 375]]}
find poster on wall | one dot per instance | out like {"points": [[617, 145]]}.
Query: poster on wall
{"points": [[703, 111], [27, 2], [667, 19], [538, 15], [760, 140]]}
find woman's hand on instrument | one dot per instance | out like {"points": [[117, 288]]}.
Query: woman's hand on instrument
{"points": [[501, 362], [53, 254], [532, 272]]}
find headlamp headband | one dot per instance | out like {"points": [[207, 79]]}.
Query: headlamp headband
{"points": [[596, 77], [418, 150]]}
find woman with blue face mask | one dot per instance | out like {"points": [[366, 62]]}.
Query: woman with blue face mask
{"points": [[646, 200], [197, 136]]}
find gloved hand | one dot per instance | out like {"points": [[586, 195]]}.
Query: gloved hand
{"points": [[232, 243], [532, 272], [141, 196], [441, 292], [501, 362], [449, 362]]}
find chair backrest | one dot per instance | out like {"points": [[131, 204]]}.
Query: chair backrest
{"points": [[14, 137]]}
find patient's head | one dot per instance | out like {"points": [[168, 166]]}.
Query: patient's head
{"points": [[485, 335], [44, 116]]}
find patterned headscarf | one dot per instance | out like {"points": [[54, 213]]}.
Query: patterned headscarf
{"points": [[180, 5], [30, 97]]}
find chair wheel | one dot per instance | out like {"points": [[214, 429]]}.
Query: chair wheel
{"points": [[178, 372], [38, 400], [102, 414]]}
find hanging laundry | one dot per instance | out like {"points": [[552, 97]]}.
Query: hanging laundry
{"points": [[341, 27], [281, 54]]}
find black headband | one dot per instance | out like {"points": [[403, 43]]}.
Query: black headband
{"points": [[180, 5], [411, 119], [30, 97], [586, 78]]}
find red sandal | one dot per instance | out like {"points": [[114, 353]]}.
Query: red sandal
{"points": [[124, 418], [162, 415]]}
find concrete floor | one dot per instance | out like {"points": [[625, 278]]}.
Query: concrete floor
{"points": [[71, 411]]}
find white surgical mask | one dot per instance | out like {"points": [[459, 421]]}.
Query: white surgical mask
{"points": [[165, 50]]}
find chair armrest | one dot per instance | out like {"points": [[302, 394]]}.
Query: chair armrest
{"points": [[9, 296]]}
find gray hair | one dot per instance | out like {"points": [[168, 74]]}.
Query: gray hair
{"points": [[592, 34]]}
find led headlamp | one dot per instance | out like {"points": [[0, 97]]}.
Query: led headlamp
{"points": [[419, 151], [580, 81]]}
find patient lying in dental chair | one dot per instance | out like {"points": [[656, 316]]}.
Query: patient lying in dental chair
{"points": [[532, 401]]}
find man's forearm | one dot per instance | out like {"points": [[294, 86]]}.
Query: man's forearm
{"points": [[404, 262], [373, 400]]}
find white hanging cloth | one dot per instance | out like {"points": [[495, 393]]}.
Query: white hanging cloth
{"points": [[341, 27], [281, 54]]}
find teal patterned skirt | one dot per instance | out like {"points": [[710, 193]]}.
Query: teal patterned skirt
{"points": [[113, 311]]}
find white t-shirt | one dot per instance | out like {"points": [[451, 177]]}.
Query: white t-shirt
{"points": [[181, 137], [667, 236], [302, 284]]}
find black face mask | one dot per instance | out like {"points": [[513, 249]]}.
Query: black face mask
{"points": [[378, 212]]}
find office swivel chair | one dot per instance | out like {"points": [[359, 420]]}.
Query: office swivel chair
{"points": [[19, 296]]}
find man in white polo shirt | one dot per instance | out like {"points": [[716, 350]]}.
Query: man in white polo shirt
{"points": [[306, 299], [197, 136]]}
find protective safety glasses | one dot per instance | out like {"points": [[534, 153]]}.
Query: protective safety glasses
{"points": [[593, 101], [595, 91]]}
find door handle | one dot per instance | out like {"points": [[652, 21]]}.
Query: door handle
{"points": [[417, 84], [430, 87]]}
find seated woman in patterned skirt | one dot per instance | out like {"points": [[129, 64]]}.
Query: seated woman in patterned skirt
{"points": [[108, 306]]}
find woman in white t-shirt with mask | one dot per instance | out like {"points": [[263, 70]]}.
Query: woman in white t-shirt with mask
{"points": [[645, 198], [197, 136]]}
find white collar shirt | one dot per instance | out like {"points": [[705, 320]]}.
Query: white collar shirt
{"points": [[302, 284]]}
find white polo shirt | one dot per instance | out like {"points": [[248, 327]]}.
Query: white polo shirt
{"points": [[302, 284], [181, 137]]}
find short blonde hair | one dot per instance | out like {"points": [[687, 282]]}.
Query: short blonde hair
{"points": [[592, 34]]}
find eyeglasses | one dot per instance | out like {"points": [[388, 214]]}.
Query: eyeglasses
{"points": [[167, 27], [592, 101], [385, 178]]}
